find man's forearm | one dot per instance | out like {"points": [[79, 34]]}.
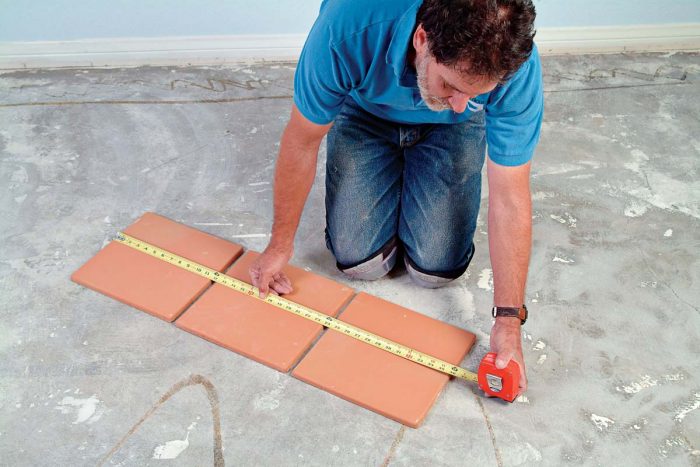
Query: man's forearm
{"points": [[510, 236], [294, 176], [510, 239]]}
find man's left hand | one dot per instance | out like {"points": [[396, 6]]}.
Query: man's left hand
{"points": [[506, 342]]}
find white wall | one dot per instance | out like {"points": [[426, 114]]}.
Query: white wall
{"points": [[41, 20], [61, 20], [577, 13], [97, 33]]}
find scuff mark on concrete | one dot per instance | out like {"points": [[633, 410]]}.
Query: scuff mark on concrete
{"points": [[270, 400], [647, 381], [83, 408], [636, 386], [522, 399], [559, 259], [522, 454], [174, 448], [171, 449], [601, 422], [258, 235], [636, 209], [485, 280], [565, 219], [685, 409]]}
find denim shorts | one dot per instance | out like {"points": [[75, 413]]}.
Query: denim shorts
{"points": [[418, 186]]}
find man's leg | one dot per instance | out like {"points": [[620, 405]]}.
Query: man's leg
{"points": [[440, 200], [363, 189]]}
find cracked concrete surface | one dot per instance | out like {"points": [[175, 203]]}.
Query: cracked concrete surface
{"points": [[612, 346]]}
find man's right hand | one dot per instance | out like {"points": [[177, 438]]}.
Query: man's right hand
{"points": [[266, 271]]}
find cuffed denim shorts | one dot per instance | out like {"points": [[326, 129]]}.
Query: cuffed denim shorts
{"points": [[418, 186]]}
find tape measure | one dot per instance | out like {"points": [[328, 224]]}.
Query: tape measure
{"points": [[495, 382]]}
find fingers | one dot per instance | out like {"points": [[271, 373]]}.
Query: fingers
{"points": [[260, 280], [266, 283], [281, 284], [282, 277], [254, 273], [503, 358], [263, 286], [523, 379], [278, 284], [278, 288]]}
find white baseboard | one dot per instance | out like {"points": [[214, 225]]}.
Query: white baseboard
{"points": [[220, 50], [182, 50], [616, 39]]}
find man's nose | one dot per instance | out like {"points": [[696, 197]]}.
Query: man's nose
{"points": [[458, 103]]}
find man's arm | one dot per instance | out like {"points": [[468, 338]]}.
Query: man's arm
{"points": [[510, 238], [294, 176]]}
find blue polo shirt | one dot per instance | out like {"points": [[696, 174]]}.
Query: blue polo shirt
{"points": [[359, 48]]}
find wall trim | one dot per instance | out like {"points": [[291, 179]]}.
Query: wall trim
{"points": [[137, 51], [221, 50], [616, 39]]}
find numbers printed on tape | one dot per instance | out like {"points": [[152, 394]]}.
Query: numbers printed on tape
{"points": [[300, 310]]}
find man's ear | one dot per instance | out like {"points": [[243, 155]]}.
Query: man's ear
{"points": [[420, 40]]}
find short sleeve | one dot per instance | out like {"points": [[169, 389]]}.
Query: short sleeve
{"points": [[322, 80], [514, 113]]}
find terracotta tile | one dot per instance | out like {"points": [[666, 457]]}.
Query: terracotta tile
{"points": [[387, 384], [150, 284], [258, 330]]}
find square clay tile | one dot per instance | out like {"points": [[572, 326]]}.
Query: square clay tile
{"points": [[375, 379], [148, 283], [258, 330]]}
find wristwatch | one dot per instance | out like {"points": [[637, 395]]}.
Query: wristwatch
{"points": [[510, 311]]}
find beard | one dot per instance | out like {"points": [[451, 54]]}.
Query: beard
{"points": [[434, 103]]}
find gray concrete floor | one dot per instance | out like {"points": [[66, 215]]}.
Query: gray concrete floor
{"points": [[612, 346]]}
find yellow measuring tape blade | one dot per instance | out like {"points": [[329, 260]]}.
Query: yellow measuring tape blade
{"points": [[299, 310]]}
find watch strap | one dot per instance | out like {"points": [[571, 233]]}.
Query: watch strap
{"points": [[513, 312]]}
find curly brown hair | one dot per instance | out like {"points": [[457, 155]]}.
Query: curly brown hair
{"points": [[489, 38]]}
